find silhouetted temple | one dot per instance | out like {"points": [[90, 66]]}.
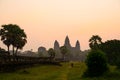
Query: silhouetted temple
{"points": [[57, 49], [73, 52]]}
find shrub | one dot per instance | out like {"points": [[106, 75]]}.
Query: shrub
{"points": [[96, 63]]}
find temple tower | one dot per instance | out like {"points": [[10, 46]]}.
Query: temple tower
{"points": [[56, 45], [57, 49], [67, 42], [77, 45]]}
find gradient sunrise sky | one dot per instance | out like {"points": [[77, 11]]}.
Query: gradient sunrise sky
{"points": [[45, 21]]}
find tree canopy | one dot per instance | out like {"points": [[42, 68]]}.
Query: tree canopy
{"points": [[51, 52], [63, 50], [12, 34], [112, 50], [96, 63], [95, 40]]}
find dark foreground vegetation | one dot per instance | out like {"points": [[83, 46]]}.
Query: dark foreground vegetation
{"points": [[96, 64], [64, 72], [111, 49]]}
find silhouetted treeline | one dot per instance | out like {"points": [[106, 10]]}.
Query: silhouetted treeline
{"points": [[112, 50], [110, 47]]}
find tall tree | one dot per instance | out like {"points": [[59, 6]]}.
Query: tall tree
{"points": [[12, 34], [20, 44], [95, 40], [19, 41], [6, 35], [63, 50]]}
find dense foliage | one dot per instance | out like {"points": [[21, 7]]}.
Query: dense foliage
{"points": [[12, 34], [94, 41], [110, 47], [64, 51], [51, 52], [112, 50], [96, 63]]}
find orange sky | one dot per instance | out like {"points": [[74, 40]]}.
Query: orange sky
{"points": [[44, 21]]}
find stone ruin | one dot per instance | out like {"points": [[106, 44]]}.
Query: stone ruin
{"points": [[74, 53]]}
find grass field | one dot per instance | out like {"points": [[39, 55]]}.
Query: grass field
{"points": [[52, 72]]}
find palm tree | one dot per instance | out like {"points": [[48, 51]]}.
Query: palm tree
{"points": [[20, 40], [13, 35], [95, 40], [7, 43], [20, 44], [6, 35], [63, 50]]}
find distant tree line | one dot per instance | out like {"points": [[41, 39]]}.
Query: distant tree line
{"points": [[63, 50]]}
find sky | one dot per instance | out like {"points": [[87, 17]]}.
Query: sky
{"points": [[45, 21]]}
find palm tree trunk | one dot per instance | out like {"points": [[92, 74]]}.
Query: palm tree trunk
{"points": [[13, 51], [8, 49], [16, 54], [16, 51]]}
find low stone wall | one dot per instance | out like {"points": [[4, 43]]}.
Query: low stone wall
{"points": [[11, 63]]}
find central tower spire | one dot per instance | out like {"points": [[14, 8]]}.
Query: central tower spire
{"points": [[67, 42], [77, 45]]}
